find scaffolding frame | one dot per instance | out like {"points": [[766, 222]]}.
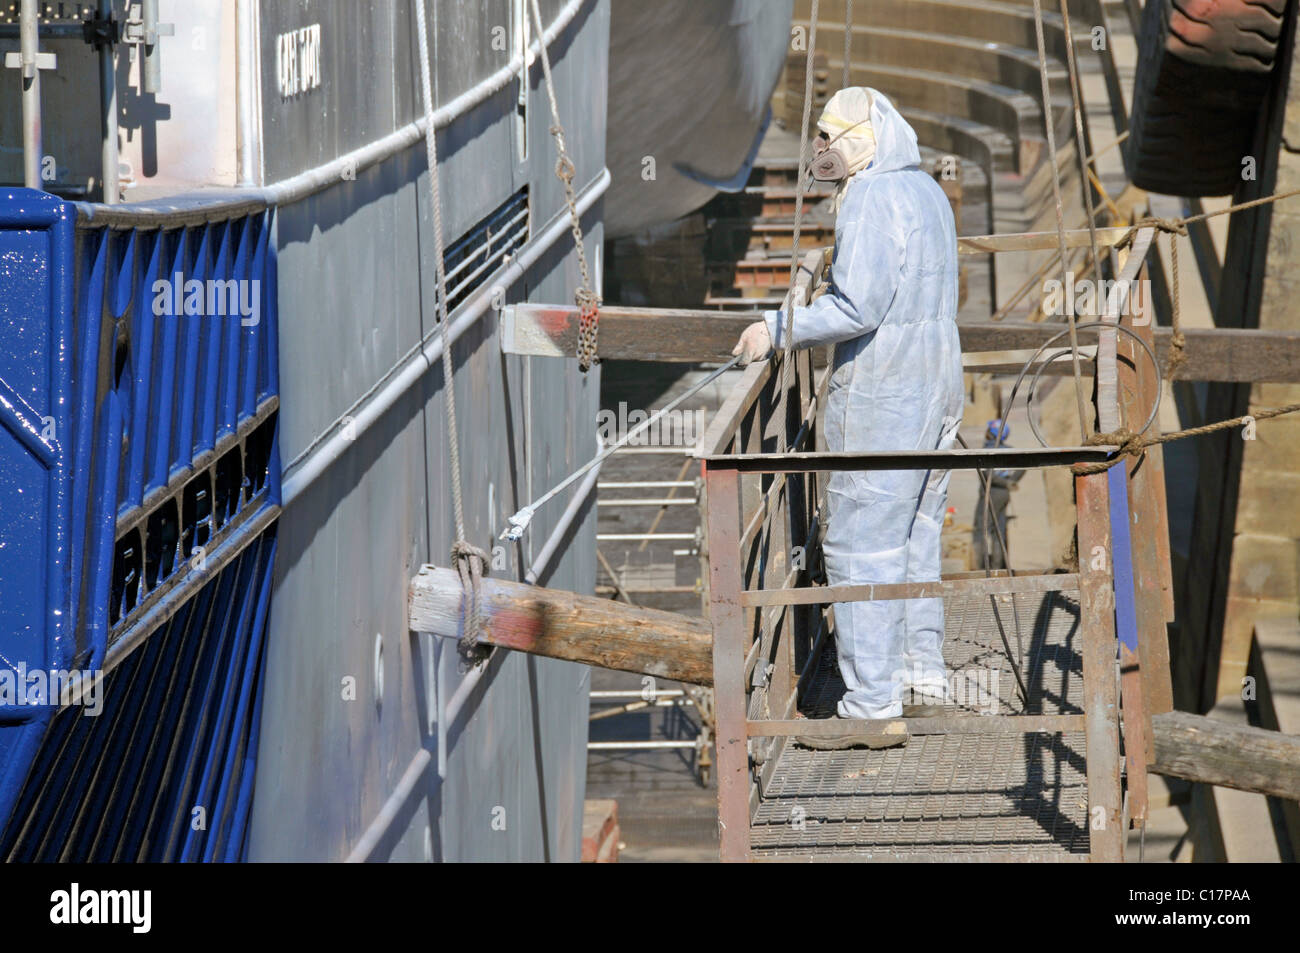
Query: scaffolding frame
{"points": [[770, 623]]}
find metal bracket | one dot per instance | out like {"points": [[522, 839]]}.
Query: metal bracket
{"points": [[101, 31], [139, 32], [142, 30], [14, 60]]}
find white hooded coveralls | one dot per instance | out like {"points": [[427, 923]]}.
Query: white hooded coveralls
{"points": [[896, 384]]}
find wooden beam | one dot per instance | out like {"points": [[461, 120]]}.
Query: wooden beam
{"points": [[565, 625], [1038, 241], [1232, 756], [937, 725], [635, 334], [978, 459], [681, 335], [1213, 354], [1101, 699], [944, 588]]}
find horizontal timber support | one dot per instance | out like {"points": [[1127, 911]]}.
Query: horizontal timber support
{"points": [[1204, 749], [564, 625], [823, 595], [1001, 458], [1040, 241], [699, 336], [891, 727]]}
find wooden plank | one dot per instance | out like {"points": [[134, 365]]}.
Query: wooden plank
{"points": [[887, 856], [655, 334], [1150, 530], [1038, 241], [1232, 756], [978, 459], [1101, 702], [645, 334], [565, 625], [1137, 719], [728, 622], [945, 588], [940, 725], [1213, 354], [1131, 612]]}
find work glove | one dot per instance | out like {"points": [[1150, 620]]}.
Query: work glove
{"points": [[754, 345]]}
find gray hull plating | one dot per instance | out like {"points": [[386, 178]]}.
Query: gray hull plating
{"points": [[351, 695]]}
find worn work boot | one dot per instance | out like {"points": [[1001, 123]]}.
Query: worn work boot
{"points": [[892, 734]]}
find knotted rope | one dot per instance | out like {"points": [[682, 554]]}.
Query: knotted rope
{"points": [[469, 560], [1131, 444]]}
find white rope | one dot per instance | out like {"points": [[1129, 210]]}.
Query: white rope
{"points": [[1060, 211], [1080, 137], [848, 42], [787, 358], [468, 560]]}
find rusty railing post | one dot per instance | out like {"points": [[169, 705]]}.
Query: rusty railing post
{"points": [[728, 620], [1101, 701]]}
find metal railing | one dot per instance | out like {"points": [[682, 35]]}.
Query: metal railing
{"points": [[770, 622]]}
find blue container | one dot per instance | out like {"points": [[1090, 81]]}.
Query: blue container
{"points": [[140, 480]]}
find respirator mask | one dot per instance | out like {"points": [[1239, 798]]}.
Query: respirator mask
{"points": [[829, 163]]}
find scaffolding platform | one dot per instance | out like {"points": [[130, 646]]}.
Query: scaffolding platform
{"points": [[1031, 761], [975, 797]]}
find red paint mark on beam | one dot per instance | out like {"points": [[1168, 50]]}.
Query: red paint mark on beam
{"points": [[554, 321]]}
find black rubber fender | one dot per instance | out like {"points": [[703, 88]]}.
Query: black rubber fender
{"points": [[1204, 68]]}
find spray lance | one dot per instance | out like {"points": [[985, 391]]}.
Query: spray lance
{"points": [[519, 522]]}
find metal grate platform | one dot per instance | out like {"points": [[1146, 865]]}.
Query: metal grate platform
{"points": [[955, 796]]}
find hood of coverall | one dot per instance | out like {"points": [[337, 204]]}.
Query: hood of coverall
{"points": [[883, 143]]}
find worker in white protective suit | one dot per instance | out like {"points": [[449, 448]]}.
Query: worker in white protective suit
{"points": [[896, 385]]}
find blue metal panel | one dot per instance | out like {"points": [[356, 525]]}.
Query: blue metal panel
{"points": [[140, 443], [1126, 625], [36, 246], [127, 785]]}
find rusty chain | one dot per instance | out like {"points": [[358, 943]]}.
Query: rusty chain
{"points": [[588, 301]]}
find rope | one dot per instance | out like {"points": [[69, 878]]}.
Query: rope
{"points": [[1092, 159], [803, 170], [468, 560], [588, 301], [1241, 207], [1060, 211], [1131, 444], [1080, 136], [787, 364], [1177, 227], [848, 41]]}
